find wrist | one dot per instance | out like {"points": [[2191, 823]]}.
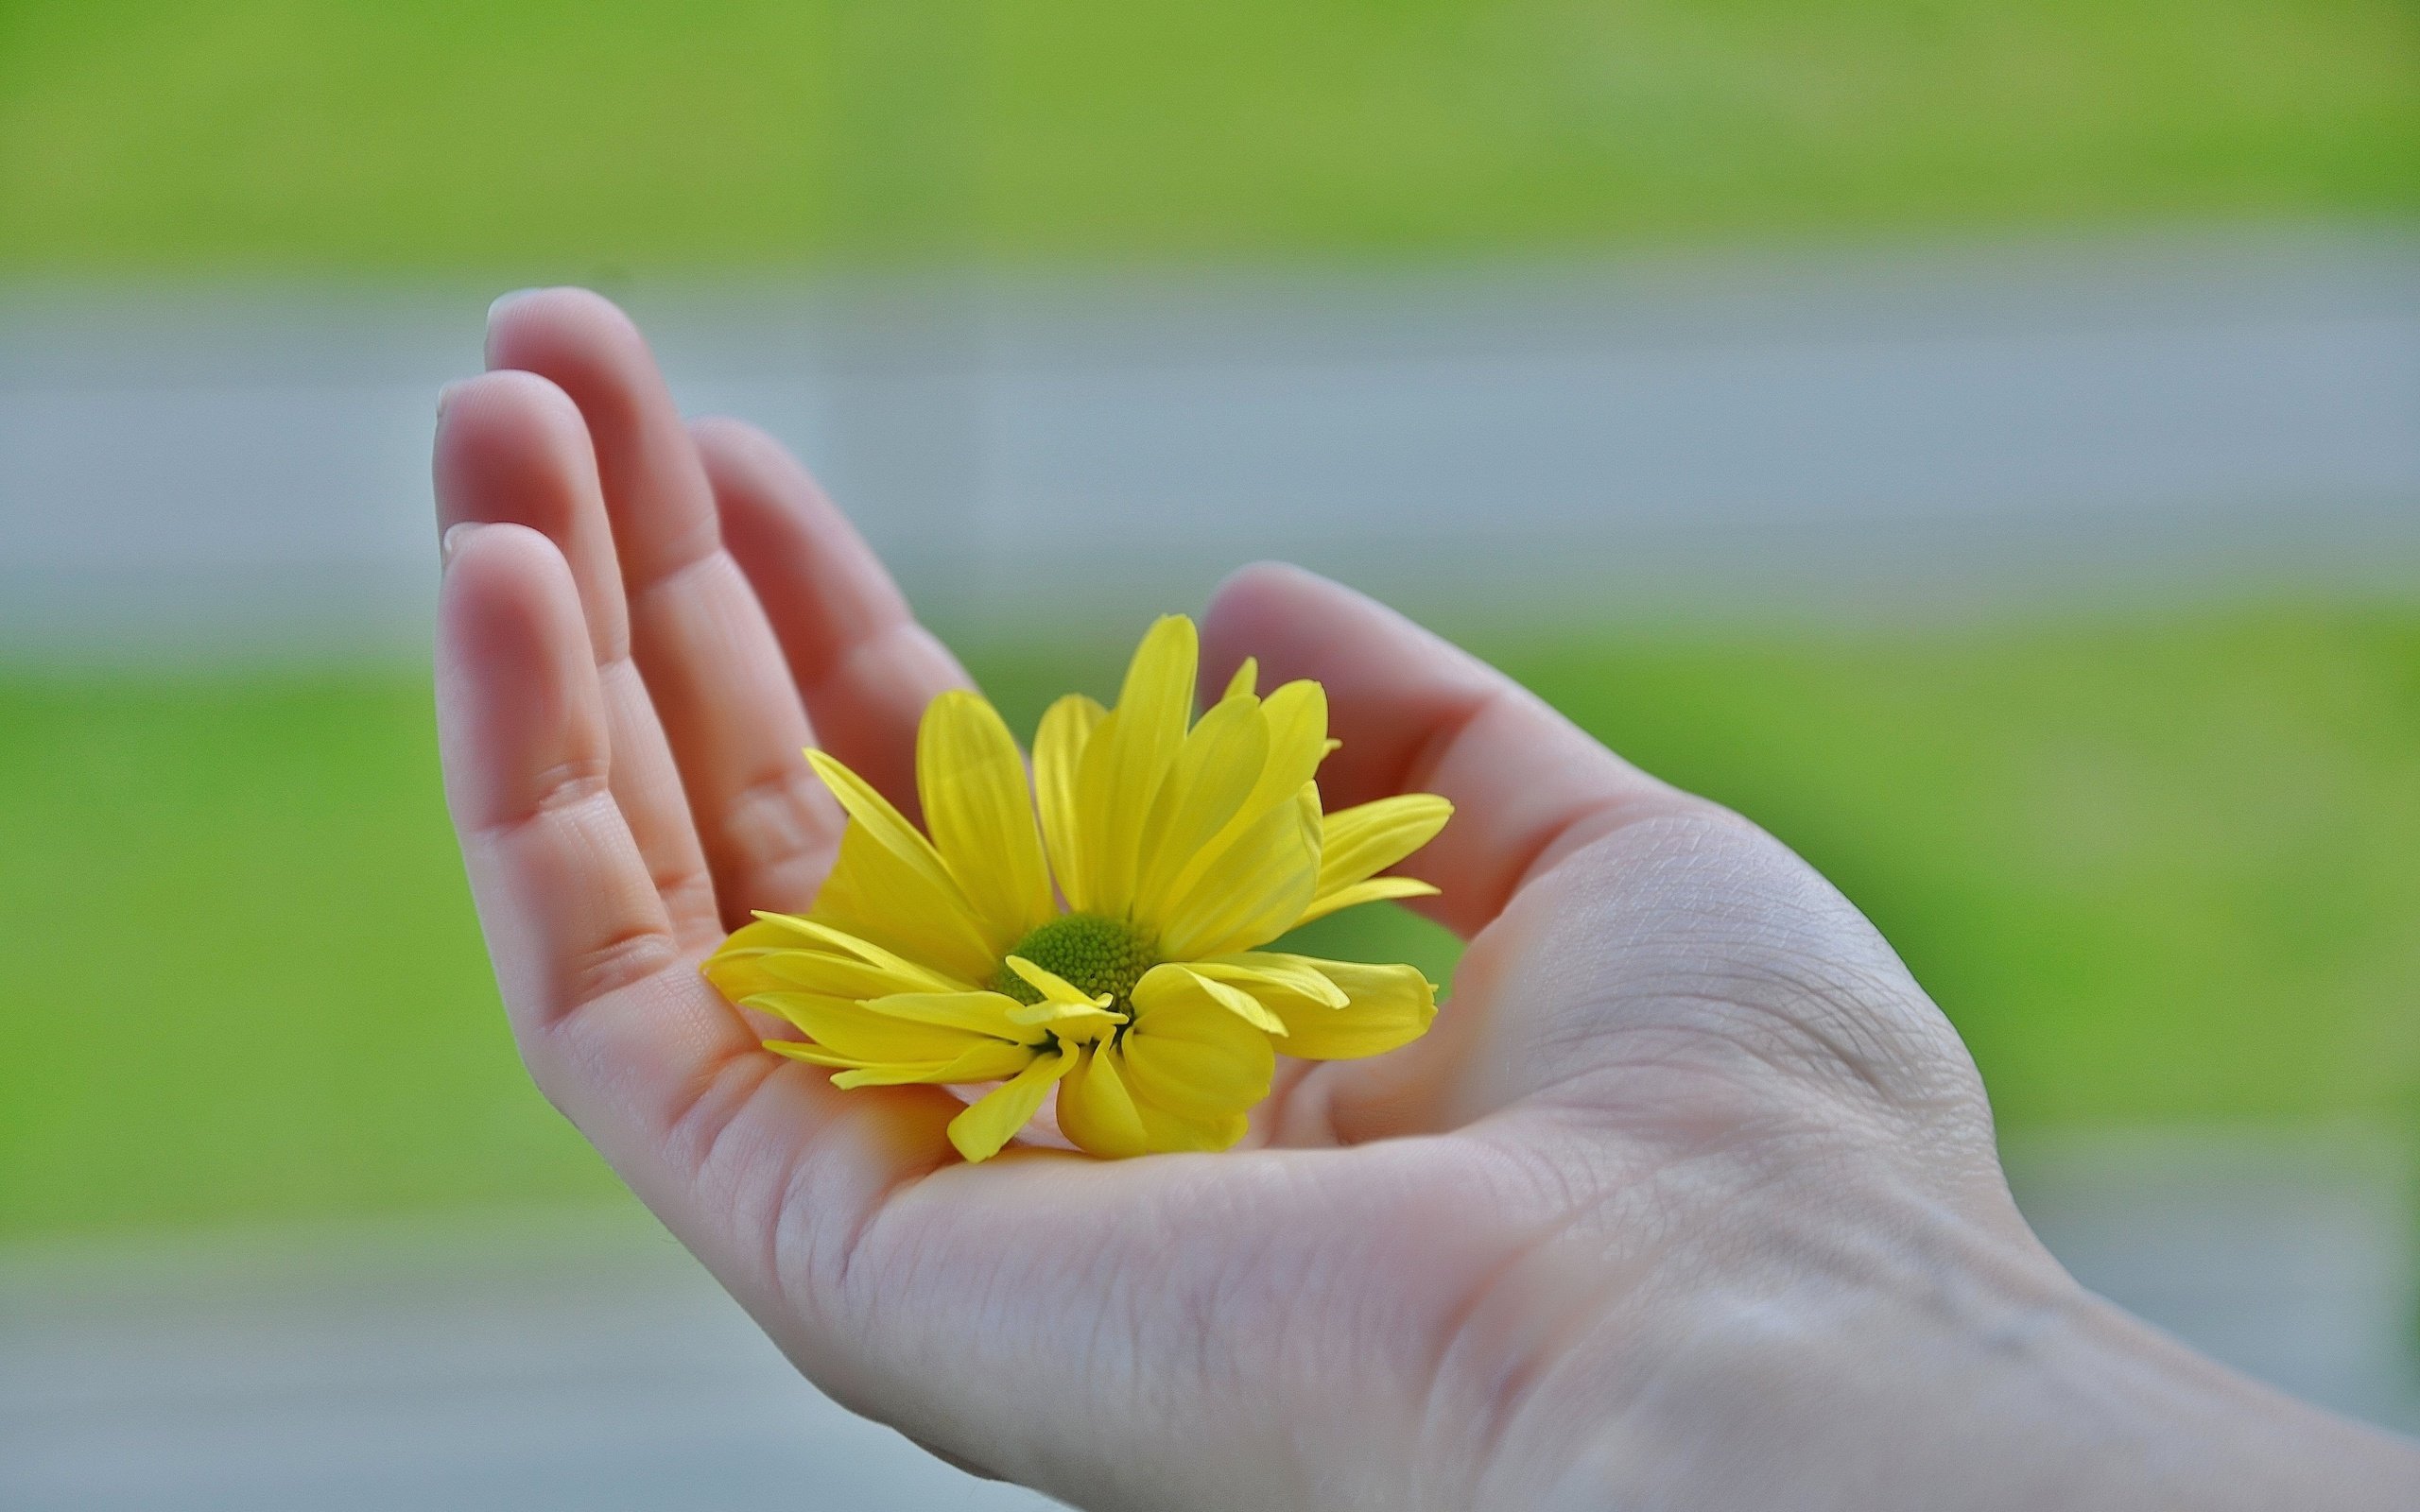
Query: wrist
{"points": [[1911, 1356]]}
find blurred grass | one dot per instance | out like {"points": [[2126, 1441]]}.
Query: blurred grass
{"points": [[554, 138], [2154, 868]]}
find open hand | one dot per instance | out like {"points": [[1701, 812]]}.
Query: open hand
{"points": [[1690, 1199]]}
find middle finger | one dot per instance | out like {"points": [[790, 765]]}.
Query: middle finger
{"points": [[699, 637]]}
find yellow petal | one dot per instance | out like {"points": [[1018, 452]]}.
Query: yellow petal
{"points": [[1196, 1060], [1373, 890], [795, 932], [737, 968], [784, 951], [972, 778], [1215, 769], [1171, 983], [1066, 1009], [766, 953], [850, 1029], [1072, 1024], [1127, 758], [984, 1013], [1271, 971], [984, 1063], [1358, 843], [1166, 1132], [889, 887], [845, 976], [995, 1119], [1296, 718], [1256, 888], [1246, 679], [1099, 1110], [1385, 1006], [1058, 757], [1095, 1109], [988, 1061], [1054, 987], [872, 813], [807, 1050]]}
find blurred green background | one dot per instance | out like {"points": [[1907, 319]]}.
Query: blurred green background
{"points": [[2156, 865], [559, 137]]}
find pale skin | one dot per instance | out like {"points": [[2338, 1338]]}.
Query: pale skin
{"points": [[1689, 1200]]}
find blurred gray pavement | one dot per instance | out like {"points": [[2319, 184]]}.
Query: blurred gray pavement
{"points": [[581, 1362], [565, 1361], [2286, 1253], [1918, 430]]}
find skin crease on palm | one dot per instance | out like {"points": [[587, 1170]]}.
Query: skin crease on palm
{"points": [[1690, 1199]]}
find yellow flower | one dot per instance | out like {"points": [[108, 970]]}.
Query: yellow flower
{"points": [[1134, 986]]}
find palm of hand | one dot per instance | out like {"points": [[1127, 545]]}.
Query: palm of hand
{"points": [[1666, 1026]]}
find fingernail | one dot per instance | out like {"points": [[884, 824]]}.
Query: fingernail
{"points": [[450, 542], [495, 312], [444, 396], [502, 301]]}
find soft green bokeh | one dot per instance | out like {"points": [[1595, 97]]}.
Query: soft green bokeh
{"points": [[593, 138], [2152, 869], [242, 975]]}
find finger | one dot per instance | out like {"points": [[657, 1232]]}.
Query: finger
{"points": [[864, 666], [1416, 715], [563, 892], [709, 662], [720, 1137], [511, 449]]}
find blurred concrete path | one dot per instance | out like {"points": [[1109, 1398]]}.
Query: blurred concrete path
{"points": [[583, 1363], [1902, 430], [575, 1363], [2288, 1254]]}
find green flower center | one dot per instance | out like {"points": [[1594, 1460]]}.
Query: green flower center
{"points": [[1092, 953]]}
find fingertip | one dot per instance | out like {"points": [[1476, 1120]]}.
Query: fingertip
{"points": [[652, 488], [1247, 611], [779, 523], [504, 315], [752, 472], [1301, 624], [1270, 574], [505, 442], [510, 633], [506, 603], [505, 391], [732, 439], [1253, 590], [510, 297], [541, 328], [1268, 608]]}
